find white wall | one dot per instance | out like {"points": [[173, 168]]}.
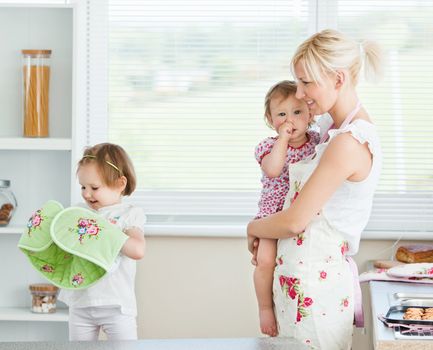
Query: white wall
{"points": [[196, 287], [202, 287]]}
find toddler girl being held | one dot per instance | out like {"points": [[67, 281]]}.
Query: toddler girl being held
{"points": [[290, 118]]}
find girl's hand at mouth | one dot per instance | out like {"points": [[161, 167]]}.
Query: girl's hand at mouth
{"points": [[285, 130]]}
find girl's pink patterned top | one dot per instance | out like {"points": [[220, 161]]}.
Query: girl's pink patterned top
{"points": [[274, 190]]}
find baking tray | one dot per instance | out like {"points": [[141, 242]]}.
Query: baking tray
{"points": [[426, 303], [395, 315], [413, 295]]}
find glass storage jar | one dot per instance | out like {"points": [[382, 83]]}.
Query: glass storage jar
{"points": [[44, 297], [8, 202], [36, 85]]}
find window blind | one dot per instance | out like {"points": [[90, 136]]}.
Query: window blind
{"points": [[400, 106], [187, 79]]}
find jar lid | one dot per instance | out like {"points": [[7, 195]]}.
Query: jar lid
{"points": [[5, 183], [36, 52], [43, 287]]}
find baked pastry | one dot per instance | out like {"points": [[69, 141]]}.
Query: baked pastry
{"points": [[414, 314], [386, 264], [415, 253]]}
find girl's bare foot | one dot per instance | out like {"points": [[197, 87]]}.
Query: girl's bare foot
{"points": [[268, 324]]}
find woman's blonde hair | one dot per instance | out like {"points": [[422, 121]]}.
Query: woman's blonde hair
{"points": [[284, 88], [112, 162], [330, 50]]}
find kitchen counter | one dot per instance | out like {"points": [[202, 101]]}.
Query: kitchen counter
{"points": [[166, 344], [383, 337]]}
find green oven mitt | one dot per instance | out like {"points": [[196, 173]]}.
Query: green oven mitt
{"points": [[36, 236], [36, 241], [81, 247]]}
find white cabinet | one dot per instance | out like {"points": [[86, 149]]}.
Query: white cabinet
{"points": [[39, 169]]}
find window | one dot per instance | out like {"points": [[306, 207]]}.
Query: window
{"points": [[186, 80], [400, 106]]}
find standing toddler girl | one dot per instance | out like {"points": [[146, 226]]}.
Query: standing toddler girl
{"points": [[290, 118], [106, 174]]}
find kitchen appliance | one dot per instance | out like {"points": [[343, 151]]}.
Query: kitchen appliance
{"points": [[409, 329]]}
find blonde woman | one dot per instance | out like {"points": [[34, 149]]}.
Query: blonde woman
{"points": [[315, 291]]}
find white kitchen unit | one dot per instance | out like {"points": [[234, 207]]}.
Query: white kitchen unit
{"points": [[39, 168], [382, 298]]}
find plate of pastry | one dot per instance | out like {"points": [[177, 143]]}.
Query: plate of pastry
{"points": [[421, 270]]}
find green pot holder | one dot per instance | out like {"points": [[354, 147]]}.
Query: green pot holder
{"points": [[73, 248]]}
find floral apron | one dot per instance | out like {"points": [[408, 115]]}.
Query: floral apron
{"points": [[313, 283], [314, 280]]}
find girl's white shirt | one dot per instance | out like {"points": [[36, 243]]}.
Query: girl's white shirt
{"points": [[117, 288]]}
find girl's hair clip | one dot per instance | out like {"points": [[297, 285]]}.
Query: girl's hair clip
{"points": [[109, 163]]}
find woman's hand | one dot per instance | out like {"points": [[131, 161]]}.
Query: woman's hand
{"points": [[254, 243]]}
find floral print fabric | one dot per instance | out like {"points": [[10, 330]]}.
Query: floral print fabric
{"points": [[313, 283], [274, 190]]}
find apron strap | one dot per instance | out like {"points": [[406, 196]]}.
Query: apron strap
{"points": [[359, 312], [346, 122], [325, 135]]}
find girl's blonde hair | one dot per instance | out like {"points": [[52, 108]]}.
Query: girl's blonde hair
{"points": [[112, 162], [284, 88], [329, 50]]}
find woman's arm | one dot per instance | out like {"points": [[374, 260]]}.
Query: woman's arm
{"points": [[345, 158], [135, 244]]}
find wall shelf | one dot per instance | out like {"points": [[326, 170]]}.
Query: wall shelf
{"points": [[11, 230], [35, 4], [38, 168], [36, 144], [24, 314]]}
